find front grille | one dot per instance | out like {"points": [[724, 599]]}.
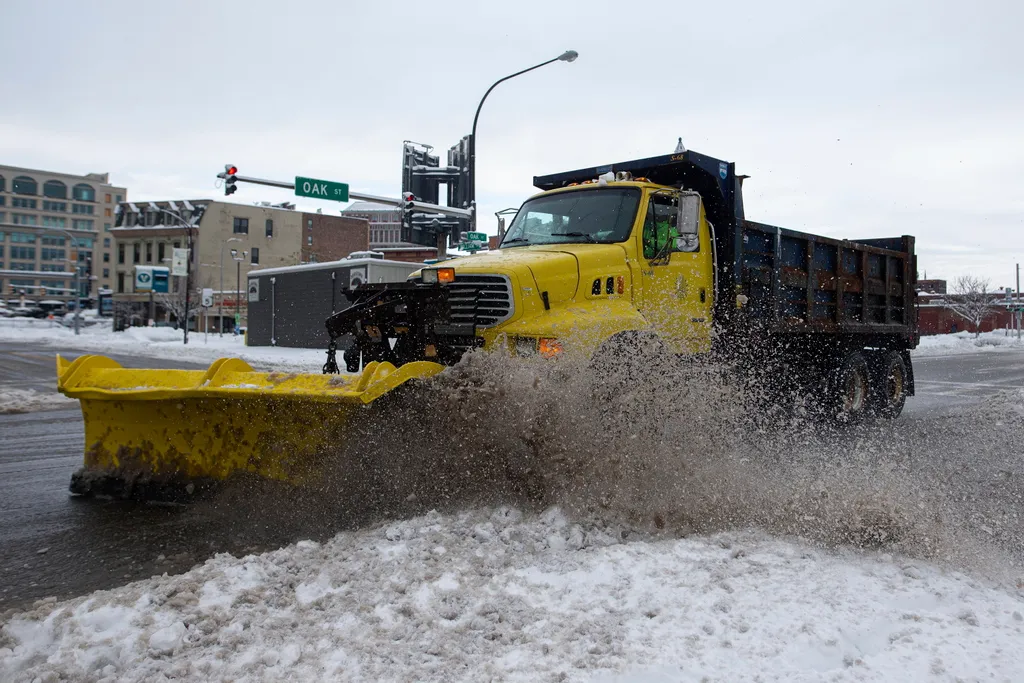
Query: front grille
{"points": [[485, 300]]}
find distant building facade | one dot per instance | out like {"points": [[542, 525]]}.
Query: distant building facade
{"points": [[41, 212], [262, 236], [386, 232]]}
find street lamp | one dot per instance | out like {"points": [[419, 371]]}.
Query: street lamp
{"points": [[188, 261], [220, 304], [567, 56], [238, 278]]}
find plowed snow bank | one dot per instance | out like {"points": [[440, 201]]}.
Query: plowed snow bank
{"points": [[489, 594]]}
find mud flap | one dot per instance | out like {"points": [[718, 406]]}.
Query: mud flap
{"points": [[151, 429]]}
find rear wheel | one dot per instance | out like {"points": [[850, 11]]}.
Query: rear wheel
{"points": [[889, 385], [848, 391]]}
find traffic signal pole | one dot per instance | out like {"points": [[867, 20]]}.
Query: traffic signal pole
{"points": [[422, 207]]}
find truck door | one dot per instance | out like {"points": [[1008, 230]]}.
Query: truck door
{"points": [[677, 271]]}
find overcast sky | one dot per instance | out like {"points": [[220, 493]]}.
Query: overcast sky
{"points": [[853, 119]]}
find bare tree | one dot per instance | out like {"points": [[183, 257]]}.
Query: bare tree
{"points": [[174, 301], [971, 300]]}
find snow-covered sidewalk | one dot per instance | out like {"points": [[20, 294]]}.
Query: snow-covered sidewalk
{"points": [[161, 342], [965, 342], [491, 595]]}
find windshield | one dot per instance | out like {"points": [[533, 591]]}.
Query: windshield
{"points": [[598, 216]]}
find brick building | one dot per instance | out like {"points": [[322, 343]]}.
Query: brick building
{"points": [[228, 241]]}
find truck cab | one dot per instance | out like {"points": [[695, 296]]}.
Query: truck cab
{"points": [[584, 263]]}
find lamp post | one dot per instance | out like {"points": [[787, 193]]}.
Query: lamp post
{"points": [[188, 262], [238, 278], [220, 304], [567, 56]]}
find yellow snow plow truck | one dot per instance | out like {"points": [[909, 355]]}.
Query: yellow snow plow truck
{"points": [[651, 251]]}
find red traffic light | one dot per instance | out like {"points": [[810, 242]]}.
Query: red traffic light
{"points": [[232, 170]]}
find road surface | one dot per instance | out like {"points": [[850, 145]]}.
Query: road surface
{"points": [[52, 544]]}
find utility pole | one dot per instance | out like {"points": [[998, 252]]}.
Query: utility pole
{"points": [[1019, 303]]}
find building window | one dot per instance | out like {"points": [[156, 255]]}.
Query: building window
{"points": [[108, 198], [136, 253], [270, 227], [23, 237], [86, 209], [3, 184], [55, 189], [82, 224], [3, 201], [255, 254], [120, 281], [309, 240], [106, 271], [106, 227], [106, 258], [24, 185], [22, 203], [241, 226], [52, 241], [149, 252], [22, 266], [27, 253], [55, 206], [309, 224], [52, 267], [23, 219], [118, 198], [120, 253], [83, 193], [84, 242], [107, 212], [54, 222], [160, 251], [106, 243], [51, 254]]}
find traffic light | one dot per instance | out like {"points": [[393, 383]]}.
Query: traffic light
{"points": [[230, 179]]}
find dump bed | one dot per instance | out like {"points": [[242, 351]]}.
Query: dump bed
{"points": [[795, 282]]}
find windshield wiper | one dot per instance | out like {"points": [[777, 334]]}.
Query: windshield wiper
{"points": [[588, 237], [515, 239]]}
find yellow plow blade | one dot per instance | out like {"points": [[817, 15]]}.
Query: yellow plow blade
{"points": [[148, 428]]}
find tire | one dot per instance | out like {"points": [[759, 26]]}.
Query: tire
{"points": [[889, 385], [848, 397]]}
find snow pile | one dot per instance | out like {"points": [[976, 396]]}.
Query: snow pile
{"points": [[489, 594], [28, 400], [966, 342], [161, 342]]}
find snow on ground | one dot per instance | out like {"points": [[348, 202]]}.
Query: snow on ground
{"points": [[493, 595], [161, 342], [28, 400], [165, 342], [965, 342]]}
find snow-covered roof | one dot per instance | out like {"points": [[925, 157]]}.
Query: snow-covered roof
{"points": [[330, 265], [356, 207]]}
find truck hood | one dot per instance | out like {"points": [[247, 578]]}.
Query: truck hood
{"points": [[556, 268]]}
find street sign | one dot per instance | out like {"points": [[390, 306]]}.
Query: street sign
{"points": [[475, 236], [179, 262], [321, 189], [151, 279], [160, 280], [207, 297], [254, 290], [143, 278]]}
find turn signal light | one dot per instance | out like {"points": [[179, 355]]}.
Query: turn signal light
{"points": [[549, 348], [445, 275], [620, 285]]}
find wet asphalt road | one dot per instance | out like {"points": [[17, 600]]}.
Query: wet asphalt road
{"points": [[52, 544]]}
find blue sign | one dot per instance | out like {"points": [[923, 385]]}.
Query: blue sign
{"points": [[160, 278]]}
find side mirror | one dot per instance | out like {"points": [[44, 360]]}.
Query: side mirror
{"points": [[687, 222]]}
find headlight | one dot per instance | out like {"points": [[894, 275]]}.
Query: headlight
{"points": [[525, 346], [432, 276]]}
